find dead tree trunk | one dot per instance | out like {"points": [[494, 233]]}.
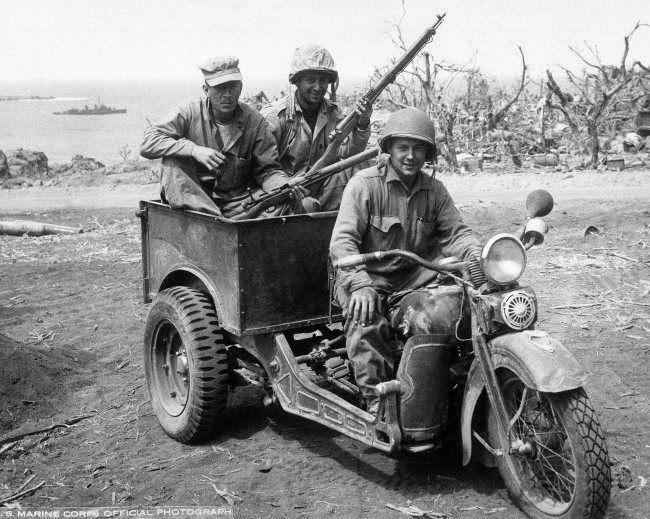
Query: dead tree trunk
{"points": [[592, 129], [448, 119]]}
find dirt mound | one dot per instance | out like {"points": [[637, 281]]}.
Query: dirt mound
{"points": [[33, 381]]}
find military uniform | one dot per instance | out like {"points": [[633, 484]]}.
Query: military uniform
{"points": [[249, 147], [379, 212], [298, 146]]}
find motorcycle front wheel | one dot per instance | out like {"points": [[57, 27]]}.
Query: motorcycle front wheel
{"points": [[558, 466]]}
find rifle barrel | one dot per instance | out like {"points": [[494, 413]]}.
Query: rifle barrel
{"points": [[281, 194], [339, 166], [401, 64], [346, 123]]}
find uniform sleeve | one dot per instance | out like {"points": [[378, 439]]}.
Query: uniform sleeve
{"points": [[349, 229], [273, 119], [166, 138], [455, 238], [266, 165]]}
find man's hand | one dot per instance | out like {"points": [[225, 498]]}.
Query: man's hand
{"points": [[209, 157], [364, 109], [301, 202], [298, 193], [364, 303]]}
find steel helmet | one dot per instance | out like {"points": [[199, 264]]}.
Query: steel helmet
{"points": [[413, 124], [312, 57]]}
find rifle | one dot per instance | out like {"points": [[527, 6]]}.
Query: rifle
{"points": [[349, 122], [261, 201]]}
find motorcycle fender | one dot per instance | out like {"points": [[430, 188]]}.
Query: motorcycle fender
{"points": [[540, 361]]}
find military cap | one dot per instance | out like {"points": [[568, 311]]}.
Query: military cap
{"points": [[221, 70]]}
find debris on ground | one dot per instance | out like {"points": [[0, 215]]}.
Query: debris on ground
{"points": [[22, 227], [414, 511]]}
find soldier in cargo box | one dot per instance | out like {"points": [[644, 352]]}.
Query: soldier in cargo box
{"points": [[302, 121], [394, 205], [215, 149]]}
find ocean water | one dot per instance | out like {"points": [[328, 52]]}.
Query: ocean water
{"points": [[31, 124]]}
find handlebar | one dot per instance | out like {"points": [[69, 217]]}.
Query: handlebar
{"points": [[361, 259]]}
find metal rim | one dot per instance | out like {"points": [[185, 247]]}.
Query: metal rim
{"points": [[171, 380], [486, 251], [544, 459], [518, 310]]}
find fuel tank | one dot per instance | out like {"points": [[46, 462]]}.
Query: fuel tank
{"points": [[434, 310]]}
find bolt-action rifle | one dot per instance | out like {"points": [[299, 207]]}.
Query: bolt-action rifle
{"points": [[349, 122], [327, 164], [280, 195]]}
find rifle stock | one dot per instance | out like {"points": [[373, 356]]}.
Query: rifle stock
{"points": [[281, 194]]}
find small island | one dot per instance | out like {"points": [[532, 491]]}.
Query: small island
{"points": [[26, 98], [97, 109]]}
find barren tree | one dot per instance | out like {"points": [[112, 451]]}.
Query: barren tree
{"points": [[601, 88], [432, 86]]}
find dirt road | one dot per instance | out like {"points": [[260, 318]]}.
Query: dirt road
{"points": [[71, 323]]}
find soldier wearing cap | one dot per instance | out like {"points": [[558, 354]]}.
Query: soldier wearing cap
{"points": [[215, 149], [302, 121], [394, 205]]}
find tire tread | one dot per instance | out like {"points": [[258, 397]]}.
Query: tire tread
{"points": [[208, 392]]}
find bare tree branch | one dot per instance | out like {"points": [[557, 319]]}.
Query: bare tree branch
{"points": [[522, 84], [599, 67], [626, 39], [554, 87]]}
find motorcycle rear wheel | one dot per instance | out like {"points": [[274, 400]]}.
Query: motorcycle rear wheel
{"points": [[561, 468]]}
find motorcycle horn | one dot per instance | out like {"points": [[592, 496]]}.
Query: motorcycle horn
{"points": [[539, 203], [534, 232]]}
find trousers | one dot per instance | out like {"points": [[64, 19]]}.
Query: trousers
{"points": [[435, 309], [182, 187]]}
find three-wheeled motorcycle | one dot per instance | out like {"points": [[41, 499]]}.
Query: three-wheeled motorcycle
{"points": [[247, 302]]}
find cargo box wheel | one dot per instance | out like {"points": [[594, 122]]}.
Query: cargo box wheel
{"points": [[185, 364]]}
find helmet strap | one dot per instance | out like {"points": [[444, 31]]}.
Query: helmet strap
{"points": [[335, 86]]}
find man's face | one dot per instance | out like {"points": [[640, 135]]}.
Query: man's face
{"points": [[407, 155], [312, 87], [224, 97]]}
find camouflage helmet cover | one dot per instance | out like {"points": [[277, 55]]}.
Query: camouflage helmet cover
{"points": [[410, 123], [312, 58]]}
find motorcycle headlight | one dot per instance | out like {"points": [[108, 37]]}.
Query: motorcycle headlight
{"points": [[503, 259]]}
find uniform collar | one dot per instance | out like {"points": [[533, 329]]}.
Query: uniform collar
{"points": [[239, 119]]}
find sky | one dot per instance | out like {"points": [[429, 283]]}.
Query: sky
{"points": [[165, 40]]}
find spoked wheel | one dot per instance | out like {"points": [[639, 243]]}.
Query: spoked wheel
{"points": [[186, 364], [558, 464]]}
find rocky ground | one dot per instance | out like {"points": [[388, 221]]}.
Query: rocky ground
{"points": [[27, 168], [71, 325]]}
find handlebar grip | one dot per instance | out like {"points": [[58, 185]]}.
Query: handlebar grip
{"points": [[350, 261], [357, 259]]}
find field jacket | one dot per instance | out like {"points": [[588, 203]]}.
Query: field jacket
{"points": [[378, 213], [251, 159], [299, 148]]}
